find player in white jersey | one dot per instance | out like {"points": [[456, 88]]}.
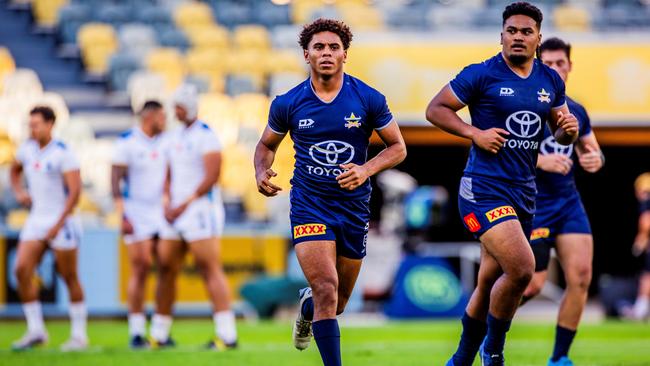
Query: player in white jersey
{"points": [[139, 163], [54, 185], [195, 216]]}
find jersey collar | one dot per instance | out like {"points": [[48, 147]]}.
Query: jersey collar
{"points": [[311, 86]]}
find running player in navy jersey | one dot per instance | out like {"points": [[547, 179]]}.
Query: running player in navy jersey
{"points": [[331, 116], [510, 97], [560, 219]]}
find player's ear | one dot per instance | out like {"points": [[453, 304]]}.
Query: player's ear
{"points": [[345, 56], [501, 39], [306, 55]]}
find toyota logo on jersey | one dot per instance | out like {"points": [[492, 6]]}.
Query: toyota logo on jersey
{"points": [[550, 146], [331, 153], [524, 124]]}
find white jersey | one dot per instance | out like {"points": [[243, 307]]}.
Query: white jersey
{"points": [[185, 148], [146, 163], [44, 169]]}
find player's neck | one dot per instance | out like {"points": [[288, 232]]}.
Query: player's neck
{"points": [[44, 142], [147, 130], [327, 88], [189, 124], [522, 70]]}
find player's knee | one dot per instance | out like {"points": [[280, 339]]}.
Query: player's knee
{"points": [[522, 276], [167, 268], [325, 291], [22, 272], [580, 278], [69, 277]]}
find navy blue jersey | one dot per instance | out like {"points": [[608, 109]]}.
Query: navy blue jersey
{"points": [[497, 97], [327, 134], [549, 184], [644, 206]]}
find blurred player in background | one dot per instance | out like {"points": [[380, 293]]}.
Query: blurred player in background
{"points": [[331, 116], [510, 96], [139, 162], [641, 308], [195, 219], [54, 185], [560, 218]]}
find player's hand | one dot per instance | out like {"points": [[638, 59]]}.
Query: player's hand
{"points": [[51, 234], [171, 214], [127, 227], [23, 198], [641, 243], [568, 123], [264, 185], [555, 163], [353, 176], [591, 161], [491, 140]]}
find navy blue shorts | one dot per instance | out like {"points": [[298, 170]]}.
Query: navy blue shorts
{"points": [[561, 214], [315, 218], [485, 202]]}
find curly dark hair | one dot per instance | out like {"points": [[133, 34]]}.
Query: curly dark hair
{"points": [[556, 44], [523, 8], [325, 25], [46, 112]]}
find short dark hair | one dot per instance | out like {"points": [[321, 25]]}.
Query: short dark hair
{"points": [[151, 105], [523, 8], [556, 44], [325, 25], [46, 112]]}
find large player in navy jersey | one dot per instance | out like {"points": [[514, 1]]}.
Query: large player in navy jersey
{"points": [[330, 116], [510, 97], [560, 219]]}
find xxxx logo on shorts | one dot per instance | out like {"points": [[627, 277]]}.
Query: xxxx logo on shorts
{"points": [[472, 223], [540, 233], [500, 212], [308, 230]]}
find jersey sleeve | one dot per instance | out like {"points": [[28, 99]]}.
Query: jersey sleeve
{"points": [[69, 162], [210, 142], [379, 111], [278, 116], [467, 84], [560, 90], [120, 153], [585, 122]]}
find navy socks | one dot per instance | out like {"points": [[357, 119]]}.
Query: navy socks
{"points": [[328, 339], [496, 335], [563, 340], [473, 334]]}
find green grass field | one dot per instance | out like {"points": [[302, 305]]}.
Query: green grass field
{"points": [[404, 343]]}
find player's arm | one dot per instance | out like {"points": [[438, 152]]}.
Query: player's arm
{"points": [[212, 169], [118, 173], [394, 153], [441, 112], [590, 155], [15, 174], [564, 125], [642, 239], [72, 182], [263, 160]]}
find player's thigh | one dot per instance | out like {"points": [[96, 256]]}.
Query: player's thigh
{"points": [[575, 253], [141, 253], [489, 269], [507, 243], [170, 254], [205, 252], [66, 262], [317, 260], [348, 272], [29, 255]]}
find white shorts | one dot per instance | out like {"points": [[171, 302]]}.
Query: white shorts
{"points": [[203, 219], [68, 237], [147, 221]]}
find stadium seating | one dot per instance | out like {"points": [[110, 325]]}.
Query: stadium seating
{"points": [[208, 63], [209, 36], [46, 12], [7, 65], [571, 18], [169, 63], [192, 14], [71, 18], [97, 42]]}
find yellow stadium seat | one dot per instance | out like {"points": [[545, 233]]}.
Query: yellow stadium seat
{"points": [[208, 63], [168, 62], [7, 65], [193, 14], [208, 36], [16, 218], [218, 111], [571, 18], [235, 167], [46, 12], [361, 16], [252, 110], [302, 10], [251, 37], [286, 61], [97, 42]]}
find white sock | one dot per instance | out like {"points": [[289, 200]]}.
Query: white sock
{"points": [[34, 316], [224, 325], [78, 316], [641, 307], [137, 324], [160, 326]]}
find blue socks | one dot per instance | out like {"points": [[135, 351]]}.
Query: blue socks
{"points": [[563, 340], [474, 331], [328, 339], [307, 309], [496, 335]]}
